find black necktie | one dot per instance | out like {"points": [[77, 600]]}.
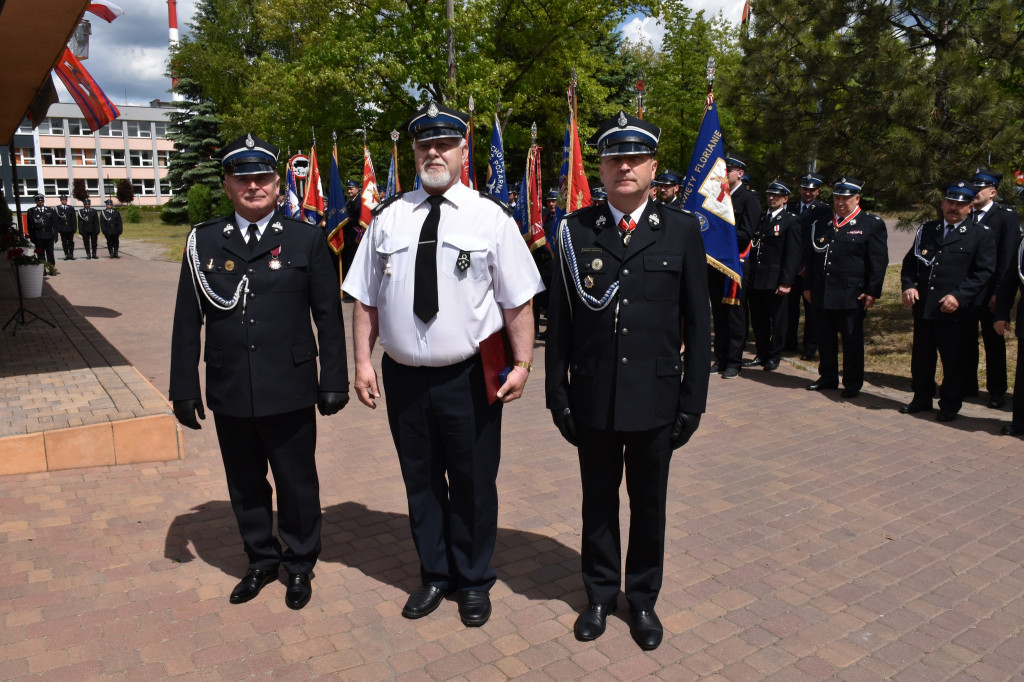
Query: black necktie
{"points": [[254, 235], [424, 301]]}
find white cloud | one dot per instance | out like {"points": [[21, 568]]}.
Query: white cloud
{"points": [[641, 29]]}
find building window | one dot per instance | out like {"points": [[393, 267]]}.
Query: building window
{"points": [[144, 188], [25, 128], [52, 126], [163, 158], [138, 128], [110, 188], [112, 157], [78, 126], [27, 187], [141, 158], [83, 157], [24, 156], [160, 129], [92, 186], [54, 157], [54, 187], [112, 129], [165, 188]]}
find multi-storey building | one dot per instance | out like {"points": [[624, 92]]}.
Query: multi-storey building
{"points": [[63, 149]]}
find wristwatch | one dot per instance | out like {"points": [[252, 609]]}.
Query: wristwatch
{"points": [[522, 363]]}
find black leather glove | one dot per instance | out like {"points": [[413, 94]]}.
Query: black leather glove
{"points": [[566, 424], [684, 427], [330, 402], [185, 412]]}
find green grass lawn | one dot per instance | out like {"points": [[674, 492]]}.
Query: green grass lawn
{"points": [[154, 231]]}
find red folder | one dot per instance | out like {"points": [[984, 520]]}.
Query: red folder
{"points": [[496, 356]]}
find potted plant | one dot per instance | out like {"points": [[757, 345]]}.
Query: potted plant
{"points": [[29, 263]]}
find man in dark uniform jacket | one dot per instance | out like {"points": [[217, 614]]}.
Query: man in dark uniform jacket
{"points": [[629, 291], [1012, 283], [254, 278], [773, 263], [352, 229], [731, 320], [1004, 229], [944, 272], [807, 208], [668, 183], [88, 227], [845, 267], [41, 228], [64, 219], [112, 227]]}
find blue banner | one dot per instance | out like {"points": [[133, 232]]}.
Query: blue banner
{"points": [[337, 209], [496, 183]]}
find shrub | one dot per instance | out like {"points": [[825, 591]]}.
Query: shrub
{"points": [[133, 214], [200, 203]]}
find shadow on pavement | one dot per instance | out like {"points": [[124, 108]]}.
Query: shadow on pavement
{"points": [[96, 311]]}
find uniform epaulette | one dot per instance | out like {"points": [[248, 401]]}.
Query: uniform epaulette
{"points": [[676, 208], [211, 221], [580, 211], [504, 207], [380, 207]]}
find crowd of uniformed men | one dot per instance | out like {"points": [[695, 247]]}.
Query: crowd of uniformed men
{"points": [[48, 224], [443, 280]]}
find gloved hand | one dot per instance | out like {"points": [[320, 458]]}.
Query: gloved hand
{"points": [[330, 402], [566, 424], [185, 412], [684, 427]]}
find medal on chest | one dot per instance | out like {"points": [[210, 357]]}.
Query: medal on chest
{"points": [[275, 261]]}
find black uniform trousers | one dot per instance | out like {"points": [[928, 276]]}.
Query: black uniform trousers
{"points": [[67, 242], [950, 340], [287, 442], [730, 324], [849, 325], [1018, 392], [113, 243], [46, 245], [449, 445], [768, 315], [646, 456], [995, 356], [810, 340], [89, 241]]}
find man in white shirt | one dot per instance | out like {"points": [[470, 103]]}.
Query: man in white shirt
{"points": [[439, 271]]}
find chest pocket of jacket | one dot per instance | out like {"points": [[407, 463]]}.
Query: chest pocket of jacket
{"points": [[463, 256], [661, 276], [394, 257], [293, 274]]}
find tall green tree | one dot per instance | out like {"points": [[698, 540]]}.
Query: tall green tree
{"points": [[195, 129]]}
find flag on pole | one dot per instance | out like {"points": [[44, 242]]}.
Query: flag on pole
{"points": [[497, 186], [105, 10], [292, 207], [528, 211], [94, 104], [370, 196], [394, 186], [573, 188], [468, 169], [313, 202], [337, 209], [706, 194]]}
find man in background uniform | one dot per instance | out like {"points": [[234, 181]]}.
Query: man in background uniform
{"points": [[629, 292], [64, 219], [773, 263], [112, 226], [88, 227], [439, 273], [947, 268], [806, 208], [845, 270], [669, 184], [351, 231], [1004, 230], [41, 228], [1011, 285], [255, 278]]}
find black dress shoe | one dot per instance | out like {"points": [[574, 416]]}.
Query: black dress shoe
{"points": [[996, 402], [251, 584], [820, 385], [715, 368], [591, 622], [646, 630], [850, 392], [945, 416], [807, 357], [754, 362], [770, 365], [474, 607], [730, 372], [1011, 431], [299, 590], [914, 408], [423, 601]]}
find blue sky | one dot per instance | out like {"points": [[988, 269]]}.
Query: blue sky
{"points": [[129, 56]]}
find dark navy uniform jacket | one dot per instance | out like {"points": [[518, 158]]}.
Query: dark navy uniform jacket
{"points": [[64, 218], [619, 368], [1011, 283], [1005, 230], [40, 222], [775, 256], [88, 221], [963, 265], [853, 263], [111, 223], [264, 362], [747, 211]]}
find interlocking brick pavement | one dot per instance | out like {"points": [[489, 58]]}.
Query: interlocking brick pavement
{"points": [[809, 538]]}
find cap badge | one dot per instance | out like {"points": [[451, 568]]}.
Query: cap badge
{"points": [[622, 119], [249, 142], [654, 219], [432, 110]]}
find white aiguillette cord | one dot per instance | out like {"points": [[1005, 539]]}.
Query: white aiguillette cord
{"points": [[241, 291]]}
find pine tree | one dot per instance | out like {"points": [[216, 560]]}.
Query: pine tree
{"points": [[195, 129]]}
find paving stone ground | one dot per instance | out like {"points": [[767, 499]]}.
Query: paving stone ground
{"points": [[809, 538]]}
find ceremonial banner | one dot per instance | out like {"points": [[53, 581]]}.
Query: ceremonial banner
{"points": [[528, 213], [313, 202], [95, 106], [337, 210], [292, 207], [394, 186], [105, 10], [706, 193], [468, 167], [370, 195], [573, 188], [497, 186]]}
